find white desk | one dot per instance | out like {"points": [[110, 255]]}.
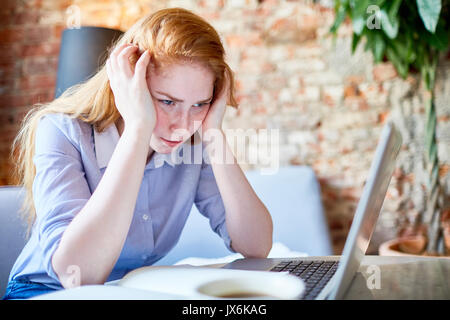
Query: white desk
{"points": [[399, 278], [402, 278]]}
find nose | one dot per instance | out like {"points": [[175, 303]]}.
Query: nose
{"points": [[180, 121]]}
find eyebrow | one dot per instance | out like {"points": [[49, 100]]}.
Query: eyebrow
{"points": [[179, 100]]}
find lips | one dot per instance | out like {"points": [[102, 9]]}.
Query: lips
{"points": [[172, 141]]}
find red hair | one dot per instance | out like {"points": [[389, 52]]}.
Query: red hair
{"points": [[177, 35]]}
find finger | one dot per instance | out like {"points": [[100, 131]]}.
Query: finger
{"points": [[114, 53], [225, 85], [118, 49], [141, 66], [123, 60], [227, 80], [108, 69]]}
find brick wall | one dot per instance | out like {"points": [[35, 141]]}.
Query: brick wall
{"points": [[328, 105]]}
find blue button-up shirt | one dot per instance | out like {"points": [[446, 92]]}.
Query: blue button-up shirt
{"points": [[71, 158]]}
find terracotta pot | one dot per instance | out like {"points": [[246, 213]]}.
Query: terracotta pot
{"points": [[396, 247], [447, 239], [392, 247]]}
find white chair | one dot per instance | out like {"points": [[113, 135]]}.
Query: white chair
{"points": [[12, 231], [292, 196]]}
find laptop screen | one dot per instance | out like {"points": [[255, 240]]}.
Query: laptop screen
{"points": [[368, 209]]}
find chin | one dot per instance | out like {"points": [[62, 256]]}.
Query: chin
{"points": [[165, 150], [162, 148]]}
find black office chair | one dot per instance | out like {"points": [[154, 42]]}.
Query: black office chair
{"points": [[83, 51]]}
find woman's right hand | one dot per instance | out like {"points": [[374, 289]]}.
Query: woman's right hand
{"points": [[131, 93]]}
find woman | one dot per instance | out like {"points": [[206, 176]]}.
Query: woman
{"points": [[99, 201]]}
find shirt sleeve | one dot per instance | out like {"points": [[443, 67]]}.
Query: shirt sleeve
{"points": [[60, 189], [209, 203]]}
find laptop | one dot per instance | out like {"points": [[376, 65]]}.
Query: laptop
{"points": [[329, 277]]}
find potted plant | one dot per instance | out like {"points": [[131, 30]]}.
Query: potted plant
{"points": [[411, 35]]}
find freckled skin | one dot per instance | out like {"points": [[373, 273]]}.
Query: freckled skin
{"points": [[176, 121]]}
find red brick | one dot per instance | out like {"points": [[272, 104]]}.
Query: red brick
{"points": [[38, 81], [9, 70], [41, 97], [12, 35], [41, 49], [9, 5], [39, 65], [12, 101], [6, 19], [6, 83], [443, 170], [350, 193], [355, 79], [26, 99], [336, 224], [351, 90], [384, 71], [8, 135], [382, 116], [5, 117], [38, 34], [26, 17], [10, 53], [236, 40], [58, 31]]}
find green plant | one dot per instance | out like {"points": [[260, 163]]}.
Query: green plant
{"points": [[411, 35]]}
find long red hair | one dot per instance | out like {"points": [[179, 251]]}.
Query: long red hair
{"points": [[171, 35]]}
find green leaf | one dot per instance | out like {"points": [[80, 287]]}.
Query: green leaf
{"points": [[439, 39], [404, 47], [339, 19], [401, 67], [375, 43], [355, 41], [358, 25], [429, 11], [357, 14], [393, 10], [378, 47], [389, 25], [341, 8], [411, 52]]}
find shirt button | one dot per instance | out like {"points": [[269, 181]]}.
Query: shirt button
{"points": [[145, 217], [144, 257]]}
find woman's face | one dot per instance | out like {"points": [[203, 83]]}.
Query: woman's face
{"points": [[181, 95]]}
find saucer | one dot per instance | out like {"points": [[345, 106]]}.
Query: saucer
{"points": [[214, 283]]}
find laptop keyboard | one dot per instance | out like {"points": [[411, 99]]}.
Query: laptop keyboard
{"points": [[315, 274]]}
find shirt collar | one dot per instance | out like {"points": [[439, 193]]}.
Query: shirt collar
{"points": [[105, 142]]}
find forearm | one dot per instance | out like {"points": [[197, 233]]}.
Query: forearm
{"points": [[248, 221], [95, 237]]}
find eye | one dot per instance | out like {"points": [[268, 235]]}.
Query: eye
{"points": [[166, 102], [199, 105]]}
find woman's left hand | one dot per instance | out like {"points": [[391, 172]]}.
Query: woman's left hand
{"points": [[216, 112]]}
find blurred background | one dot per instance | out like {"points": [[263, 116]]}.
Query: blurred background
{"points": [[328, 104]]}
